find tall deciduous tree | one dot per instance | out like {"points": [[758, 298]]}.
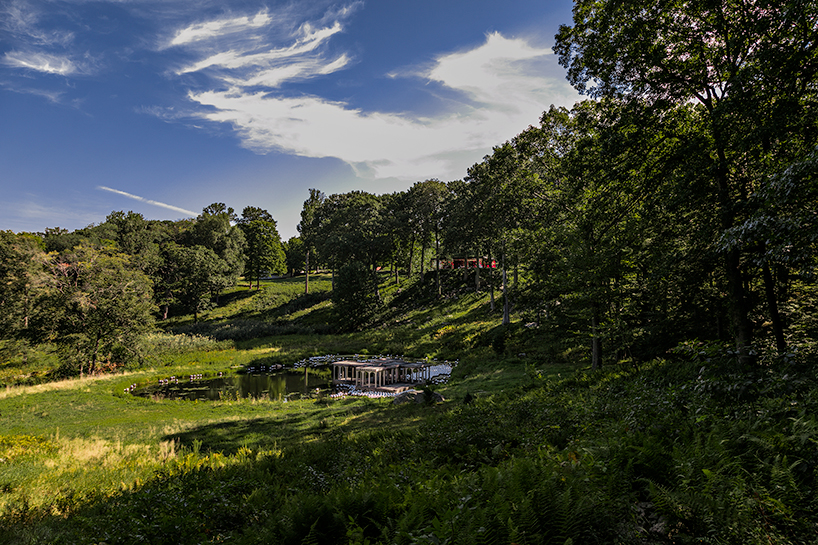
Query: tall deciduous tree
{"points": [[308, 228], [295, 255], [191, 275], [214, 230], [263, 252], [351, 228], [425, 216], [98, 306], [750, 64], [22, 276]]}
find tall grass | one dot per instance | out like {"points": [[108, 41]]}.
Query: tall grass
{"points": [[666, 453]]}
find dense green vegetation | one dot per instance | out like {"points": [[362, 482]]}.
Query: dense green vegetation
{"points": [[528, 447], [637, 347]]}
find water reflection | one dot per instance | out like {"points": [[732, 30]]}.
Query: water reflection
{"points": [[277, 386]]}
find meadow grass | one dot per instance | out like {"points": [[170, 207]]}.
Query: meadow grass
{"points": [[529, 447]]}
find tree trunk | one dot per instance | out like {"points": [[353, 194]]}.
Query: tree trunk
{"points": [[476, 273], [411, 255], [596, 342], [772, 307], [307, 273], [491, 284], [437, 262], [506, 317], [422, 262], [375, 276], [93, 364], [737, 294], [27, 310]]}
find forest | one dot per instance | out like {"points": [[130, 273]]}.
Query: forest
{"points": [[629, 284]]}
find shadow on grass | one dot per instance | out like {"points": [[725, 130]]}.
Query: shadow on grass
{"points": [[318, 419], [229, 437]]}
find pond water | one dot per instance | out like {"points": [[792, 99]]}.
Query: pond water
{"points": [[267, 382], [274, 385]]}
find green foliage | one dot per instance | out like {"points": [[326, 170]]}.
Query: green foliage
{"points": [[295, 255], [22, 274], [213, 230], [355, 299], [192, 275], [264, 253], [98, 306]]}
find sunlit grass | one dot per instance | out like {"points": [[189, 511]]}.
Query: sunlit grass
{"points": [[83, 441]]}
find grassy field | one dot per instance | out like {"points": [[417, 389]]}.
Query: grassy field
{"points": [[527, 448]]}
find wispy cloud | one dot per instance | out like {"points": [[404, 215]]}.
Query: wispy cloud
{"points": [[55, 97], [21, 19], [147, 201], [501, 85], [41, 62], [37, 47], [219, 27], [238, 52], [31, 212]]}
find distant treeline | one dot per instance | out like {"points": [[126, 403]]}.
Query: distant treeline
{"points": [[93, 291]]}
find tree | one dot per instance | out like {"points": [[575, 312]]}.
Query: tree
{"points": [[192, 274], [308, 228], [783, 231], [213, 230], [295, 255], [425, 214], [502, 193], [355, 299], [750, 64], [352, 228], [22, 277], [599, 173], [263, 252], [139, 238], [60, 240], [98, 305]]}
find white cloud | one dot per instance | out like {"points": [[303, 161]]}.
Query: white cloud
{"points": [[50, 51], [147, 201], [501, 82], [247, 63], [502, 73], [41, 62], [21, 20], [220, 27]]}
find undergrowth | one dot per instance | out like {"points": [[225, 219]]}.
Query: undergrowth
{"points": [[689, 449]]}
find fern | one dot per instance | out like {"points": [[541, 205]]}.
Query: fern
{"points": [[312, 537]]}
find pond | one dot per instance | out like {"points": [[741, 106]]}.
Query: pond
{"points": [[276, 385], [273, 382]]}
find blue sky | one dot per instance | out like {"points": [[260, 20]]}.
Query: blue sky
{"points": [[165, 106]]}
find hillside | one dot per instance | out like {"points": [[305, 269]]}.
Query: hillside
{"points": [[529, 446]]}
